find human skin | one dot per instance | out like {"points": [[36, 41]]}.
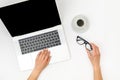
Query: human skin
{"points": [[42, 60], [94, 57]]}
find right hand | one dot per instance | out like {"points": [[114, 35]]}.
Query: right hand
{"points": [[94, 56], [42, 60]]}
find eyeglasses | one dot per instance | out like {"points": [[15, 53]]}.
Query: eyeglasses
{"points": [[82, 41]]}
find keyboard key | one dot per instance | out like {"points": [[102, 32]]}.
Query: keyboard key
{"points": [[38, 42]]}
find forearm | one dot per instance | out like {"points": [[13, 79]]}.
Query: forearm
{"points": [[97, 73], [42, 60], [34, 75]]}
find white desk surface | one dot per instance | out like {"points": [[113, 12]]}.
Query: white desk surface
{"points": [[104, 17]]}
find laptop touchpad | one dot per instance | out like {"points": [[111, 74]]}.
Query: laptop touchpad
{"points": [[25, 61]]}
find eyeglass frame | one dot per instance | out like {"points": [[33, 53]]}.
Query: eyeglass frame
{"points": [[85, 42]]}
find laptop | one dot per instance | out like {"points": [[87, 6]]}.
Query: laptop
{"points": [[34, 26]]}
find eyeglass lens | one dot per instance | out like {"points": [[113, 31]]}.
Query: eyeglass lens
{"points": [[88, 47], [82, 41]]}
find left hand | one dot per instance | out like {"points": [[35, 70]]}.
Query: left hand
{"points": [[42, 60]]}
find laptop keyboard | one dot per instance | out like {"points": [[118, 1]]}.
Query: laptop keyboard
{"points": [[38, 42]]}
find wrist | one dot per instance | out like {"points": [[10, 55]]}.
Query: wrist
{"points": [[34, 75], [37, 71], [96, 67]]}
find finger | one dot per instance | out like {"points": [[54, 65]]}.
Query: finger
{"points": [[49, 53], [94, 48], [97, 52], [48, 60], [38, 55], [43, 54], [47, 56], [46, 52], [93, 45], [88, 52]]}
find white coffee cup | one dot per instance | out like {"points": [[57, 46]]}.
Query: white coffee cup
{"points": [[80, 23]]}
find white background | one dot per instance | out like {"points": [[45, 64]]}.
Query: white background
{"points": [[104, 19]]}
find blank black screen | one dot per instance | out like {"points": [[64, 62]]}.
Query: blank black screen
{"points": [[30, 16]]}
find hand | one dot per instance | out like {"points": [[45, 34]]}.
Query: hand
{"points": [[42, 60], [94, 56]]}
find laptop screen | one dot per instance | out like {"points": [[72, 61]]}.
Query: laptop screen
{"points": [[30, 16]]}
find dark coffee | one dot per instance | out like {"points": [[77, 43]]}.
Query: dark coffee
{"points": [[80, 22]]}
